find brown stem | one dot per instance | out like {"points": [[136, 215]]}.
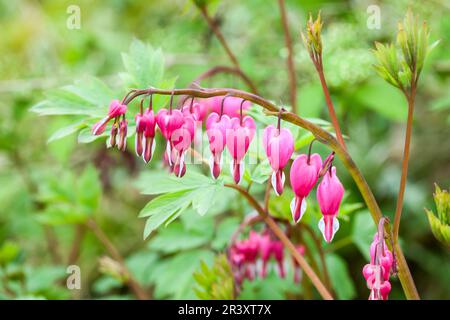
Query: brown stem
{"points": [[326, 276], [330, 106], [323, 291], [212, 25], [324, 137], [115, 254], [215, 29], [80, 230], [290, 56], [225, 69], [401, 191], [267, 196], [247, 222]]}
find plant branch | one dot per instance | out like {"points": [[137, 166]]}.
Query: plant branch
{"points": [[115, 254], [330, 106], [290, 56], [326, 276], [323, 291], [401, 192], [324, 137], [225, 69], [80, 230], [215, 29]]}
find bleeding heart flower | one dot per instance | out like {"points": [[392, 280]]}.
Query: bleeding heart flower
{"points": [[386, 259], [116, 109], [145, 134], [279, 146], [329, 196], [379, 291], [181, 140], [168, 121], [122, 143], [265, 251], [238, 139], [216, 129], [278, 253], [113, 134], [304, 175], [297, 270]]}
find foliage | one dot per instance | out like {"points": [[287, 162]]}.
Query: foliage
{"points": [[440, 223], [216, 283]]}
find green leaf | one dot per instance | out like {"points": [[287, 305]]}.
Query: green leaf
{"points": [[85, 136], [262, 172], [217, 282], [144, 64], [363, 229], [382, 99], [89, 188], [340, 277], [92, 90], [173, 277], [205, 198], [177, 238], [89, 97], [157, 182], [8, 252], [66, 131], [141, 266], [60, 214], [310, 100], [161, 209], [225, 230]]}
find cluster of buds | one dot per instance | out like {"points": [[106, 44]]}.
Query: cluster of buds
{"points": [[250, 257], [312, 39], [382, 264], [306, 171]]}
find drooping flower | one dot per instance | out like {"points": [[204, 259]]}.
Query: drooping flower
{"points": [[249, 249], [113, 134], [297, 270], [216, 129], [329, 196], [122, 143], [116, 109], [181, 140], [265, 251], [378, 271], [386, 258], [145, 134], [279, 146], [278, 254], [304, 175], [168, 121], [238, 138]]}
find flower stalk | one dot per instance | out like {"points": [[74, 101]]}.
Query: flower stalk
{"points": [[290, 56]]}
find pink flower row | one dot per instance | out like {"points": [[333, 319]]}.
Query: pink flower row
{"points": [[244, 256], [228, 126]]}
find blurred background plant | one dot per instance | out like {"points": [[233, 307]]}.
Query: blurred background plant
{"points": [[65, 203]]}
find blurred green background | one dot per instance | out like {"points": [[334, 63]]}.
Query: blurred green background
{"points": [[41, 182]]}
